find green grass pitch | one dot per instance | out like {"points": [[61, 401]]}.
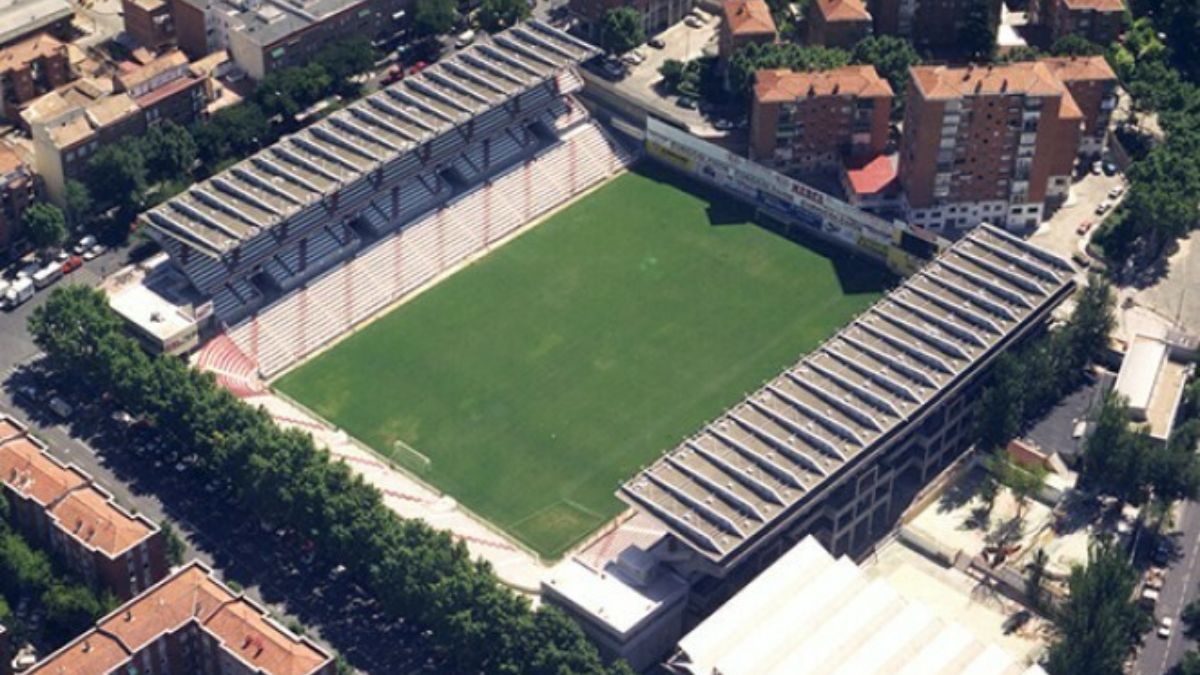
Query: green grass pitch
{"points": [[540, 377]]}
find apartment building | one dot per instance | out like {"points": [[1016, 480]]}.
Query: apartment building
{"points": [[802, 121], [189, 624], [6, 654], [994, 144], [657, 15], [745, 22], [265, 35], [19, 187], [69, 125], [62, 508], [167, 88], [838, 23], [1100, 21], [150, 23], [1093, 85], [30, 68], [927, 23]]}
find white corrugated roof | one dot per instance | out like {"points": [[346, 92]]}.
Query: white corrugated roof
{"points": [[1139, 370], [809, 613]]}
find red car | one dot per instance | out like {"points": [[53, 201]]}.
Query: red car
{"points": [[73, 263]]}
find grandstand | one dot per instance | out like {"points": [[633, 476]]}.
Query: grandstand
{"points": [[836, 431], [301, 241]]}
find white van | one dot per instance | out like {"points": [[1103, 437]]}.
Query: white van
{"points": [[47, 275]]}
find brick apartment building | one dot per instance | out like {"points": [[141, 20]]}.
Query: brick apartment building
{"points": [[801, 121], [1093, 85], [995, 144], [265, 36], [62, 508], [69, 125], [19, 188], [30, 68], [1100, 21], [657, 15], [150, 23], [167, 88], [189, 624], [927, 23], [6, 654], [745, 22], [838, 23]]}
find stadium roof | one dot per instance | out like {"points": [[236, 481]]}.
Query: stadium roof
{"points": [[744, 472], [810, 613], [219, 214]]}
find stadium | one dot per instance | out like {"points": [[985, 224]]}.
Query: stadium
{"points": [[472, 276]]}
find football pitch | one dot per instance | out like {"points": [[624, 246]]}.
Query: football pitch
{"points": [[537, 379]]}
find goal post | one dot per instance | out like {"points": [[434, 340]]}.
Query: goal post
{"points": [[410, 458]]}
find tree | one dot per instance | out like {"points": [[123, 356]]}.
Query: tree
{"points": [[1002, 404], [289, 91], [346, 58], [671, 71], [434, 17], [1098, 625], [117, 174], [892, 57], [234, 131], [621, 29], [1189, 665], [1111, 461], [71, 609], [45, 225], [1075, 45], [496, 15], [175, 546], [978, 34], [1190, 617], [79, 204], [1035, 571], [748, 60], [169, 151]]}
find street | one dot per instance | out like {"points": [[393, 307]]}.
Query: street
{"points": [[1159, 656]]}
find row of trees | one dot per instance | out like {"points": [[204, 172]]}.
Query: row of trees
{"points": [[1163, 202], [51, 610], [891, 56], [416, 573], [1099, 624]]}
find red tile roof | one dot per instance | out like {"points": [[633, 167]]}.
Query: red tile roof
{"points": [[872, 176], [779, 86], [1030, 77], [843, 10], [748, 17]]}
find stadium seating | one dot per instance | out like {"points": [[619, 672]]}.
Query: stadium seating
{"points": [[435, 242]]}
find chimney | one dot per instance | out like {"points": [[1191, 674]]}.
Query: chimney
{"points": [[128, 615], [87, 646]]}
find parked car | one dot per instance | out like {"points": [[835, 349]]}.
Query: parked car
{"points": [[47, 275], [1081, 260], [1097, 168], [686, 102], [1109, 168], [1164, 627], [71, 264], [634, 57], [1083, 228], [94, 252], [1103, 207], [1116, 192], [20, 291], [656, 43], [60, 407], [613, 69], [723, 125], [84, 244], [464, 38], [693, 22]]}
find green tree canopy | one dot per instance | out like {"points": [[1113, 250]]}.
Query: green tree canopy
{"points": [[45, 225], [496, 15], [169, 151], [892, 57], [1075, 45], [117, 175], [1099, 623], [754, 57], [79, 204], [434, 17], [621, 29]]}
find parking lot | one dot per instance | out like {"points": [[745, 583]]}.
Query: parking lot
{"points": [[1062, 233], [640, 83]]}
